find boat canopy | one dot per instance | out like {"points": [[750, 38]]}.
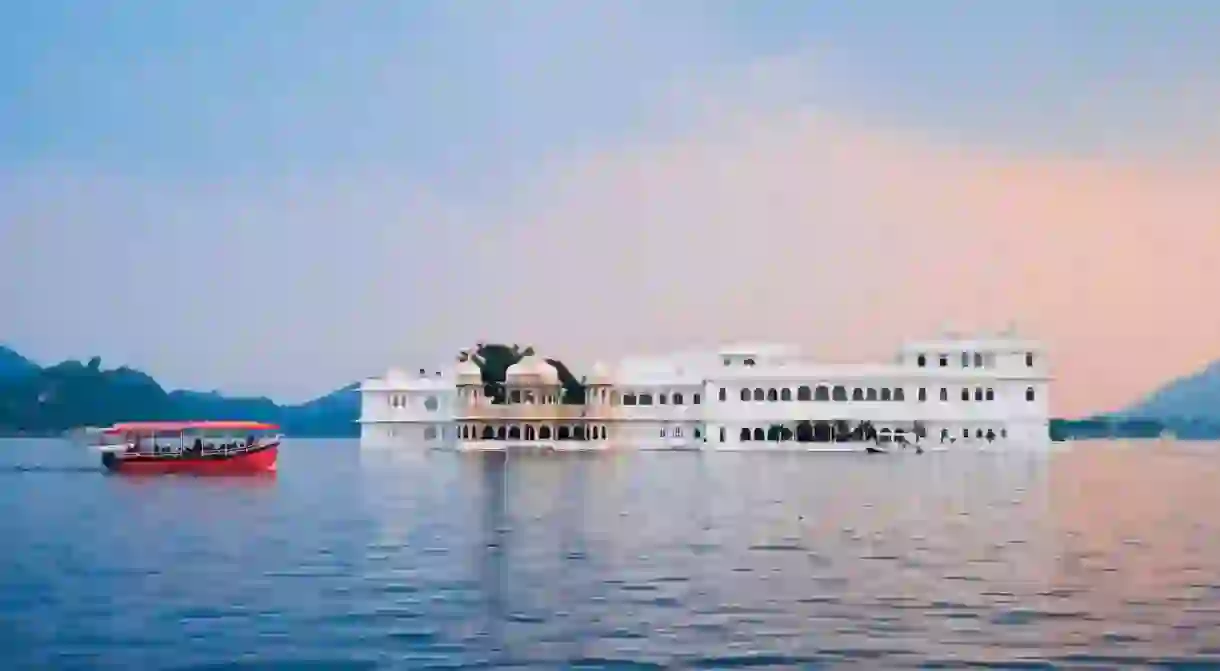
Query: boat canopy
{"points": [[180, 427]]}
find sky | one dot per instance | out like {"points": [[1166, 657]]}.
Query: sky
{"points": [[277, 198]]}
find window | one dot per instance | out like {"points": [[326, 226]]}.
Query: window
{"points": [[748, 362], [772, 395], [871, 394], [990, 394], [544, 432], [899, 394], [978, 433], [978, 360], [758, 435], [944, 360], [724, 395], [921, 360], [745, 394], [885, 394], [944, 394], [430, 432], [803, 393], [857, 394], [965, 359], [431, 404], [677, 432], [923, 394], [1029, 359], [528, 396], [514, 433], [698, 433], [629, 399], [839, 393], [662, 432], [758, 395], [965, 433], [678, 398], [785, 394], [1029, 394], [821, 393], [745, 435], [696, 398], [645, 399], [661, 400], [965, 394], [514, 396], [722, 432], [726, 361], [1003, 433], [978, 393]]}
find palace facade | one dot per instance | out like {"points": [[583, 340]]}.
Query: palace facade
{"points": [[952, 391]]}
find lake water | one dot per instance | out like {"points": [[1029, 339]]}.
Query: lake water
{"points": [[1097, 555]]}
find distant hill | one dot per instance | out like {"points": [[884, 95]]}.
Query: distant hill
{"points": [[51, 400], [1189, 406]]}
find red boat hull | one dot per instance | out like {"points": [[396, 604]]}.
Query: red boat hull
{"points": [[258, 461]]}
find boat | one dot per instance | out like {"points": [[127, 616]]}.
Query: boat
{"points": [[193, 448]]}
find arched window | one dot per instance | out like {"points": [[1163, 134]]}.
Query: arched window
{"points": [[923, 394], [759, 394], [944, 394], [871, 394], [678, 398], [745, 435], [822, 393], [965, 359], [772, 395], [965, 394], [745, 394], [839, 393], [785, 394], [758, 435], [857, 394], [661, 399], [724, 395], [544, 432], [978, 360], [514, 433], [803, 393], [501, 433], [978, 393], [563, 433], [899, 394], [529, 432], [990, 394], [1029, 359], [514, 396], [921, 360], [1029, 394], [885, 394], [489, 433], [695, 399]]}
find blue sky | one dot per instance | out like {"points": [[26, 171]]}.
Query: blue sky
{"points": [[329, 134]]}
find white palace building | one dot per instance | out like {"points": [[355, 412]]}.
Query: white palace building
{"points": [[954, 391]]}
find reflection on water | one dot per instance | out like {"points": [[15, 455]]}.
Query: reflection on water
{"points": [[1103, 553]]}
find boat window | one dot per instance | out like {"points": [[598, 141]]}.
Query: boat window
{"points": [[785, 394], [978, 360], [804, 393], [678, 398], [899, 394], [695, 399], [514, 396], [749, 362], [1029, 394], [871, 394], [944, 360], [629, 399], [745, 435], [857, 394], [885, 394], [431, 404], [990, 394], [662, 399], [1029, 359], [758, 394], [758, 435], [965, 359], [724, 394], [772, 395], [965, 394], [745, 394], [944, 394], [923, 394], [921, 360], [978, 393], [839, 393], [645, 399], [822, 393], [430, 432]]}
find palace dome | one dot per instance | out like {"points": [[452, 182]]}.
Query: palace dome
{"points": [[532, 370]]}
